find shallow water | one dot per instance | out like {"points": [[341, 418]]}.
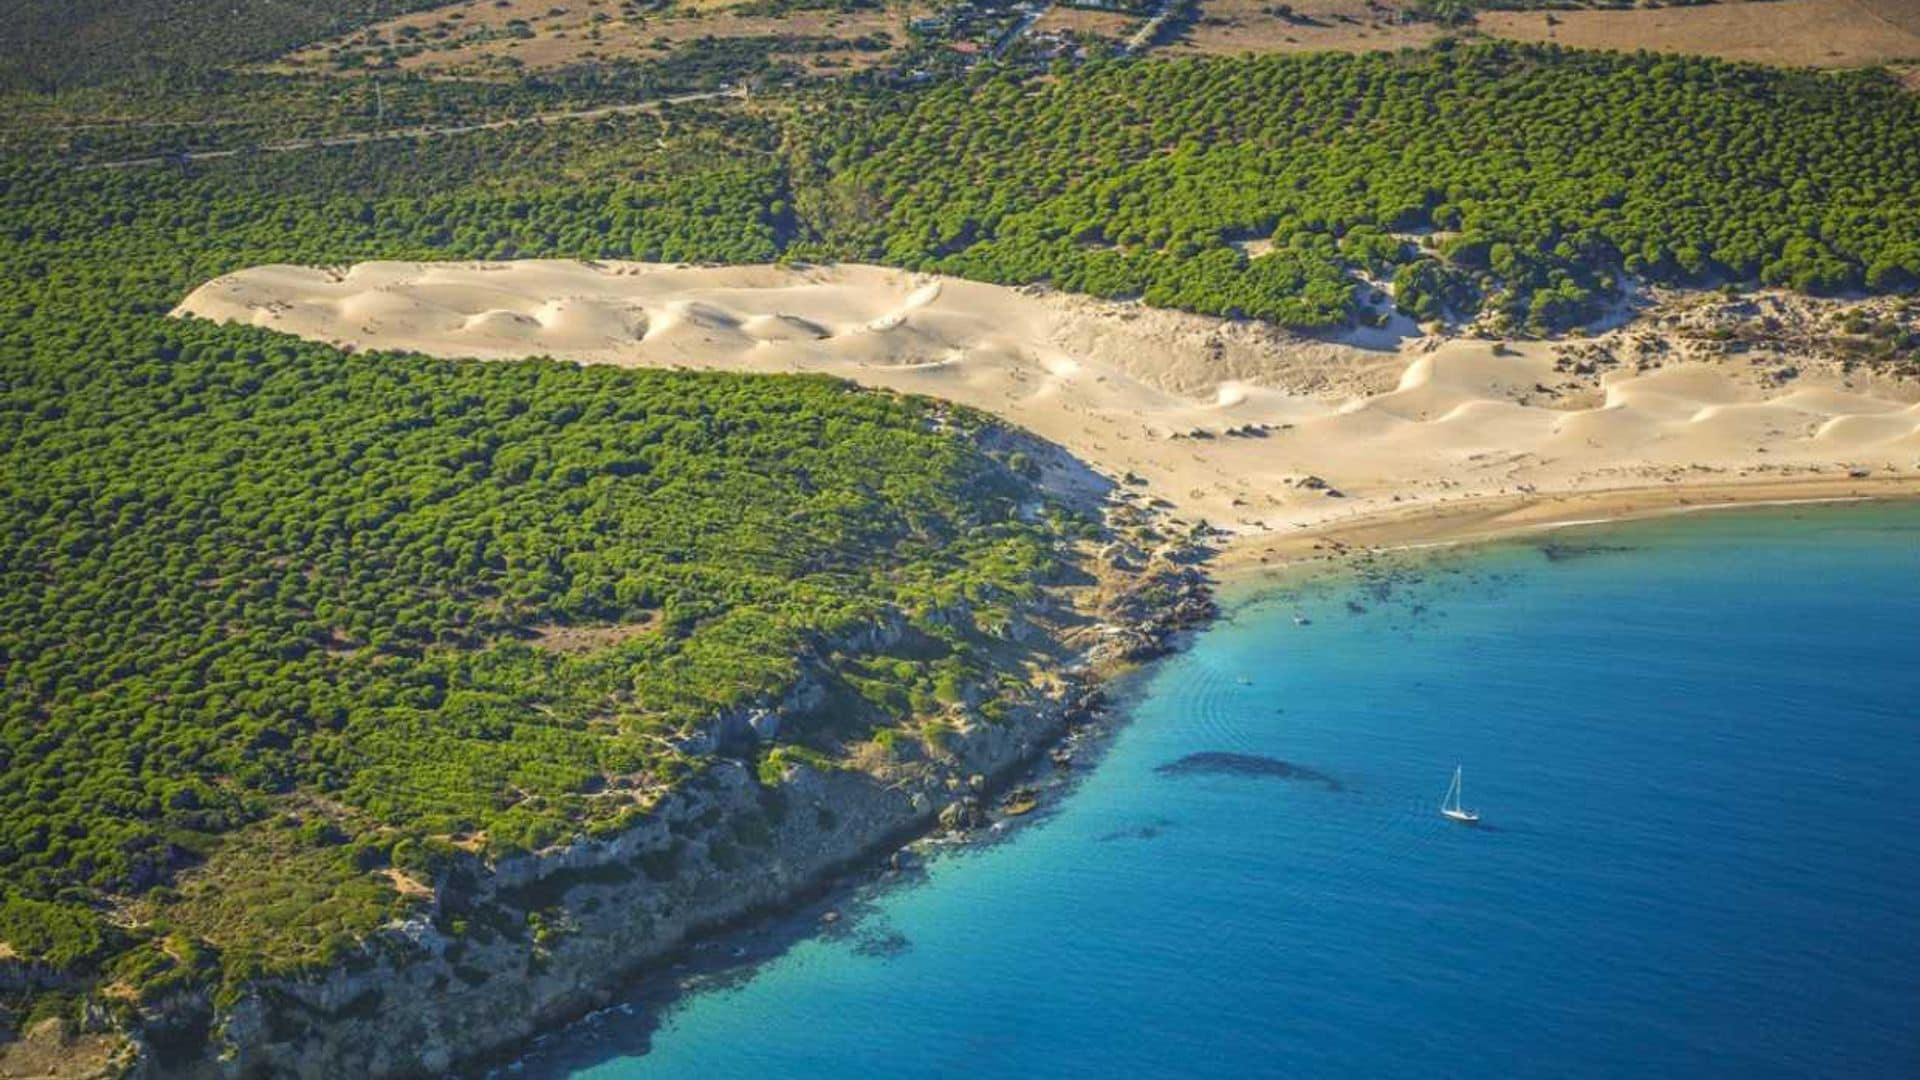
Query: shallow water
{"points": [[1696, 747]]}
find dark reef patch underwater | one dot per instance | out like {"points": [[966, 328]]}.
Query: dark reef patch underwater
{"points": [[1221, 763]]}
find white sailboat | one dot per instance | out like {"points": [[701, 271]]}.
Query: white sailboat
{"points": [[1450, 806]]}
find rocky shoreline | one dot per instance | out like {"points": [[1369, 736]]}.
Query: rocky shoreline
{"points": [[506, 952]]}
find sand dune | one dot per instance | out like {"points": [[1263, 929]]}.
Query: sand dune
{"points": [[1224, 420]]}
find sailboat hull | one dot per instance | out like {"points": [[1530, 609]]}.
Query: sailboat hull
{"points": [[1465, 817]]}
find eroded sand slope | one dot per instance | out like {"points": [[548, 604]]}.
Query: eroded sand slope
{"points": [[1224, 420]]}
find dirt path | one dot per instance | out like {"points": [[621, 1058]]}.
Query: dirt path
{"points": [[1902, 15], [422, 132]]}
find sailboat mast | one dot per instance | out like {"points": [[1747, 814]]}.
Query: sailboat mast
{"points": [[1451, 806]]}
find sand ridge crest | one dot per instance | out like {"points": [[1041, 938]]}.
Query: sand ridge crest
{"points": [[1225, 420]]}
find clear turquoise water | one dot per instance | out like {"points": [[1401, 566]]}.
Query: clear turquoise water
{"points": [[1696, 745]]}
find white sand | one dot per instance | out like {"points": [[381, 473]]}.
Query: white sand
{"points": [[1124, 388]]}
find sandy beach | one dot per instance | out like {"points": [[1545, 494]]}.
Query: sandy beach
{"points": [[1294, 446]]}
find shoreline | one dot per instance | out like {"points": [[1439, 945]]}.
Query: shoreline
{"points": [[829, 904], [413, 1000], [834, 908], [1491, 518], [1046, 766], [735, 952]]}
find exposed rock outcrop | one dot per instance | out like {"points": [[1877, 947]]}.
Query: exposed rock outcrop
{"points": [[1145, 618], [548, 936], [507, 949]]}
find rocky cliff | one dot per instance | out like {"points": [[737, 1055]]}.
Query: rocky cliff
{"points": [[507, 950]]}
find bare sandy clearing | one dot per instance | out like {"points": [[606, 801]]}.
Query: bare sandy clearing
{"points": [[1112, 25], [494, 37], [1816, 33], [1230, 27], [1810, 33], [1251, 428]]}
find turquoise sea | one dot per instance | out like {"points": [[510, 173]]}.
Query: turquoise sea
{"points": [[1696, 747]]}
